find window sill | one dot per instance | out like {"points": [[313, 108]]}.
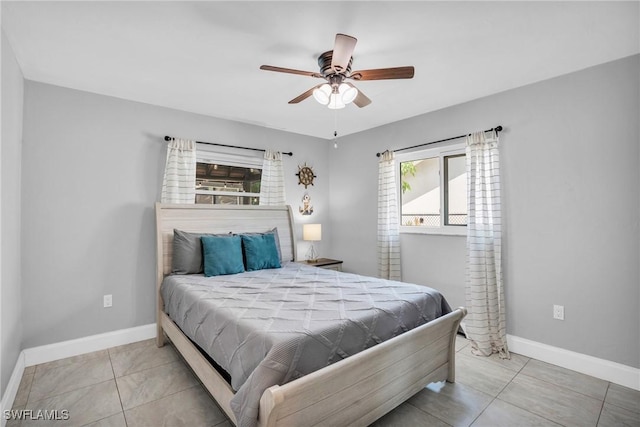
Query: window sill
{"points": [[438, 231]]}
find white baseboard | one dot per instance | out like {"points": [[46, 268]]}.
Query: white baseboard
{"points": [[600, 368], [12, 388], [60, 350]]}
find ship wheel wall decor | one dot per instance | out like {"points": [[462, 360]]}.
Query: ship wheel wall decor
{"points": [[305, 175]]}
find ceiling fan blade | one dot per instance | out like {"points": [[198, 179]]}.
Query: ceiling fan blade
{"points": [[342, 51], [361, 99], [290, 71], [384, 74], [304, 95]]}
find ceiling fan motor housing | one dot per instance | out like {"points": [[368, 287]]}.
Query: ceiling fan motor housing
{"points": [[324, 61]]}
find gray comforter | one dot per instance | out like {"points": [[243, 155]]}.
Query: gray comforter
{"points": [[270, 327]]}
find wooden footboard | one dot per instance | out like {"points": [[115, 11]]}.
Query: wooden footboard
{"points": [[362, 388], [355, 391]]}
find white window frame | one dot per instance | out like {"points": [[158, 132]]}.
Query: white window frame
{"points": [[440, 153], [213, 157]]}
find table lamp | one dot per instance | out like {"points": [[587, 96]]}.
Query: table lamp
{"points": [[312, 233]]}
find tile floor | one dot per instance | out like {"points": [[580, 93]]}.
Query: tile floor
{"points": [[142, 385]]}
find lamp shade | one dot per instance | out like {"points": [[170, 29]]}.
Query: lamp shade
{"points": [[347, 92], [312, 232], [322, 93]]}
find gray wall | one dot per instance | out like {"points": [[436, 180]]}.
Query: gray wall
{"points": [[92, 171], [10, 153], [569, 164]]}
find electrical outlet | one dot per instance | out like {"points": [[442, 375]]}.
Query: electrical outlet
{"points": [[558, 312], [108, 301]]}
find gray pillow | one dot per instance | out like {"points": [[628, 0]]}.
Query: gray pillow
{"points": [[187, 252], [273, 231]]}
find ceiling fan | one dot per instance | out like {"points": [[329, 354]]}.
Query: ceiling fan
{"points": [[335, 68]]}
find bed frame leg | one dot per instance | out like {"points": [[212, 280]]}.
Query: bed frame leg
{"points": [[451, 376], [160, 338]]}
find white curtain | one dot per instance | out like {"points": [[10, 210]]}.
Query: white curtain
{"points": [[179, 184], [388, 221], [272, 185], [485, 322]]}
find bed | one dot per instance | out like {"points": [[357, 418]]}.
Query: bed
{"points": [[355, 390]]}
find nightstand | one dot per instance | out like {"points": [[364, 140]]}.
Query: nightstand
{"points": [[329, 264]]}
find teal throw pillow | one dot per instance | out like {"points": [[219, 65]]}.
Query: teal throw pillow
{"points": [[260, 251], [222, 255]]}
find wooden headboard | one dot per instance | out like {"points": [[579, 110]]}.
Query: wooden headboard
{"points": [[219, 219]]}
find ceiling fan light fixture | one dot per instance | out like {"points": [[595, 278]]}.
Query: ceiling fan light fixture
{"points": [[335, 102], [347, 92], [322, 94], [335, 67]]}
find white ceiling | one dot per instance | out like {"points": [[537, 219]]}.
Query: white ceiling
{"points": [[204, 57]]}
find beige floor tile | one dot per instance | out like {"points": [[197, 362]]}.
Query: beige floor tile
{"points": [[553, 402], [623, 397], [152, 384], [23, 389], [156, 388], [39, 369], [116, 420], [64, 377], [408, 415], [503, 414], [456, 404], [566, 378], [482, 375], [191, 407], [614, 416], [84, 405], [133, 345], [140, 356]]}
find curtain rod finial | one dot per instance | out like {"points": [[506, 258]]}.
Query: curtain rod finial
{"points": [[498, 128], [167, 138]]}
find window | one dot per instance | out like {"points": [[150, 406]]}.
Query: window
{"points": [[433, 191], [227, 179]]}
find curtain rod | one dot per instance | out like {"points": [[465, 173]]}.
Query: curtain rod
{"points": [[169, 138], [497, 129]]}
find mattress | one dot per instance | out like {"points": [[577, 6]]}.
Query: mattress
{"points": [[272, 326]]}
